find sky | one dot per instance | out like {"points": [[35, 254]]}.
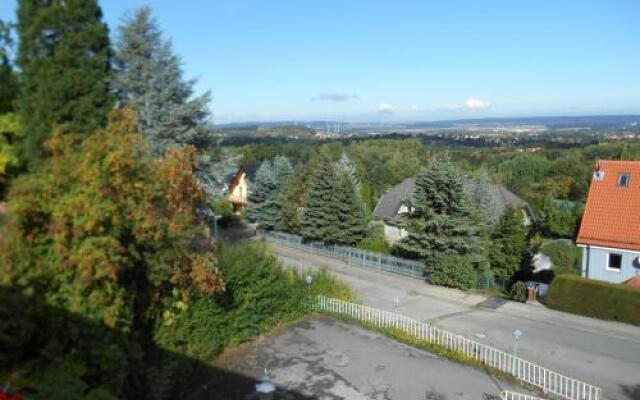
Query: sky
{"points": [[402, 60]]}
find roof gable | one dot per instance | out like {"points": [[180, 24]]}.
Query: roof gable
{"points": [[612, 213]]}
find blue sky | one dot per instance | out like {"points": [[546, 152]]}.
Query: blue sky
{"points": [[402, 60]]}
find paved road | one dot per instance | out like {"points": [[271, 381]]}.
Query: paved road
{"points": [[603, 353], [324, 358]]}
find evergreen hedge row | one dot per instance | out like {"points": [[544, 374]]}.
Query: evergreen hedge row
{"points": [[596, 299]]}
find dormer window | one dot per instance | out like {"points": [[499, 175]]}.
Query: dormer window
{"points": [[623, 179]]}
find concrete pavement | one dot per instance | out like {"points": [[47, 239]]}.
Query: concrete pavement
{"points": [[323, 358], [599, 352]]}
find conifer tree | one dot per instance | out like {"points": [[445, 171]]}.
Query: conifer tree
{"points": [[8, 77], [149, 78], [441, 222], [64, 58], [484, 199], [271, 211], [509, 240], [264, 184], [318, 220], [350, 226]]}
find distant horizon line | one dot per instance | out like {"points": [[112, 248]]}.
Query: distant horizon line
{"points": [[419, 121]]}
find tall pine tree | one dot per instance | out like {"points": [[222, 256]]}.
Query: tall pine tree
{"points": [[318, 220], [263, 185], [271, 211], [8, 77], [509, 239], [64, 58], [350, 226], [149, 78], [441, 223]]}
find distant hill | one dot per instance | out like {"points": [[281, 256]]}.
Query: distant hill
{"points": [[553, 122], [259, 130]]}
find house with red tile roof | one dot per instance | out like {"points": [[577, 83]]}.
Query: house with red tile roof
{"points": [[610, 228]]}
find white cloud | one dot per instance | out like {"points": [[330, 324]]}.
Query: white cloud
{"points": [[338, 97], [473, 103], [385, 108]]}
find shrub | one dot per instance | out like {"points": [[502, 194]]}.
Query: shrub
{"points": [[451, 270], [518, 292], [595, 299], [566, 258], [376, 245]]}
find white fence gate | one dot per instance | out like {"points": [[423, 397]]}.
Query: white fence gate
{"points": [[549, 381]]}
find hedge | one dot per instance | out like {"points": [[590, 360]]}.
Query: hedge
{"points": [[594, 298]]}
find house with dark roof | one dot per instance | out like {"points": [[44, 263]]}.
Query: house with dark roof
{"points": [[239, 185], [391, 205], [610, 229]]}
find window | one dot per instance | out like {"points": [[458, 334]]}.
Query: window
{"points": [[614, 262], [623, 179]]}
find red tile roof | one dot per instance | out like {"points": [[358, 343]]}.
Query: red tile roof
{"points": [[612, 213]]}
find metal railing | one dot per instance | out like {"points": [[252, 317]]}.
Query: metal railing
{"points": [[509, 395], [546, 379], [369, 259]]}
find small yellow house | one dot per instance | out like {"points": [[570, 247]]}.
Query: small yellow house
{"points": [[239, 185]]}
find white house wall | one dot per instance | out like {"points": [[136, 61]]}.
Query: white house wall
{"points": [[595, 261]]}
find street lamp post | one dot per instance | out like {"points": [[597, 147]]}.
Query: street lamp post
{"points": [[309, 279], [216, 218], [516, 335]]}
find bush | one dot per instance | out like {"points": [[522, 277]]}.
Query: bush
{"points": [[259, 294], [376, 245], [595, 299], [566, 258], [518, 292], [451, 270]]}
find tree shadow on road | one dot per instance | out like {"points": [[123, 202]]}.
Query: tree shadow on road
{"points": [[47, 352], [631, 391]]}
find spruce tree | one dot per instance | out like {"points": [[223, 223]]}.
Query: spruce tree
{"points": [[8, 77], [149, 77], [509, 239], [440, 222], [319, 219], [350, 226], [261, 188], [484, 199], [64, 58], [271, 211]]}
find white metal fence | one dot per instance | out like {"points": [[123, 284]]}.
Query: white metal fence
{"points": [[509, 395], [549, 381], [395, 265]]}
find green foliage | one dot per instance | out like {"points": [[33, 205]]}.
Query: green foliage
{"points": [[560, 219], [333, 210], [269, 193], [64, 58], [259, 295], [375, 240], [595, 299], [522, 169], [149, 78], [509, 242], [318, 216], [9, 133], [8, 77], [103, 232], [451, 270], [440, 220], [566, 257], [350, 226], [518, 292], [384, 163], [483, 198]]}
